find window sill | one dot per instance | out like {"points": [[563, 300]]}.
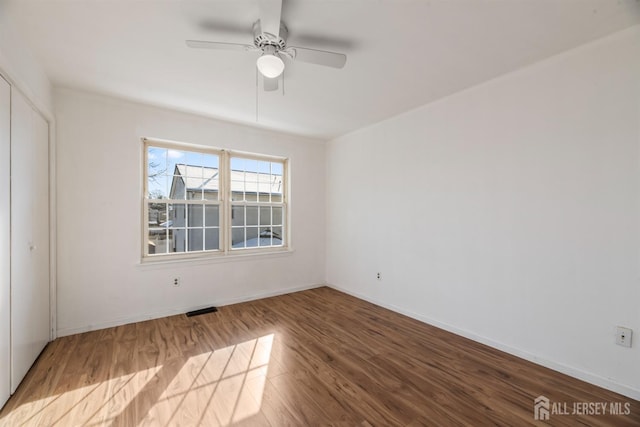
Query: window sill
{"points": [[212, 258]]}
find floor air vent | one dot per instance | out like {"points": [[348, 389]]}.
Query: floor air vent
{"points": [[202, 311]]}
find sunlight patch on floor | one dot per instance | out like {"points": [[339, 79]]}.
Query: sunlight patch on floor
{"points": [[226, 386], [216, 388], [90, 402]]}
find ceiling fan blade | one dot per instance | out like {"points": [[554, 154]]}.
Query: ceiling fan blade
{"points": [[270, 12], [199, 44], [319, 57], [270, 85]]}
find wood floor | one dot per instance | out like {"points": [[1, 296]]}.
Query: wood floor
{"points": [[317, 357]]}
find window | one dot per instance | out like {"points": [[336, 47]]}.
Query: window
{"points": [[200, 201], [256, 203]]}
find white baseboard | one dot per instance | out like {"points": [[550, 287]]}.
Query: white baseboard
{"points": [[603, 382], [180, 310]]}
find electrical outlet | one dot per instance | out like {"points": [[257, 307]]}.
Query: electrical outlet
{"points": [[623, 336], [176, 282], [379, 276]]}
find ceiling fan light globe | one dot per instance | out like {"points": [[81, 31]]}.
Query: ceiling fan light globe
{"points": [[270, 66]]}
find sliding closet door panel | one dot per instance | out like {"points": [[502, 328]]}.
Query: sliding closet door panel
{"points": [[40, 231], [29, 244], [5, 224], [22, 276]]}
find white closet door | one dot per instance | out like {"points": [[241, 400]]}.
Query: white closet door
{"points": [[29, 237], [5, 224]]}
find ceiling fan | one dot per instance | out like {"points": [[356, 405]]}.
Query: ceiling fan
{"points": [[270, 39]]}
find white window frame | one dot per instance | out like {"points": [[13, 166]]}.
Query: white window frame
{"points": [[224, 202]]}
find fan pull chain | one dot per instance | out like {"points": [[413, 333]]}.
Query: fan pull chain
{"points": [[283, 83], [256, 94]]}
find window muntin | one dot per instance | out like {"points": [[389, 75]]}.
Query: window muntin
{"points": [[211, 201]]}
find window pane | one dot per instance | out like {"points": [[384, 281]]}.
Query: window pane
{"points": [[176, 157], [251, 165], [264, 183], [195, 239], [176, 162], [277, 232], [278, 237], [265, 215], [251, 183], [252, 237], [191, 170], [277, 215], [264, 167], [237, 215], [177, 239], [157, 243], [276, 181], [157, 215], [237, 195], [211, 216], [210, 194], [195, 215], [237, 237], [211, 239], [158, 186], [210, 161], [276, 184], [237, 164], [177, 187], [237, 187], [194, 186], [252, 215], [265, 236], [177, 215], [194, 194], [194, 159], [276, 168], [156, 161], [211, 185]]}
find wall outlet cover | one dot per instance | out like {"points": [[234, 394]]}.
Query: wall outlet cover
{"points": [[623, 336]]}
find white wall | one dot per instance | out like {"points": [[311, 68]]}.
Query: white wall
{"points": [[509, 212], [100, 279], [17, 63]]}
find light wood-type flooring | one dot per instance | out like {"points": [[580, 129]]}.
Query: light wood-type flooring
{"points": [[317, 357]]}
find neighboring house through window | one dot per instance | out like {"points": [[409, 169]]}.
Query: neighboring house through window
{"points": [[201, 201]]}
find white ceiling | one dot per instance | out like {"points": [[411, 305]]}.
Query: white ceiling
{"points": [[401, 53]]}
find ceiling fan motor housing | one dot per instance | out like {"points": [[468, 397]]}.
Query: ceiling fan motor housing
{"points": [[262, 40]]}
